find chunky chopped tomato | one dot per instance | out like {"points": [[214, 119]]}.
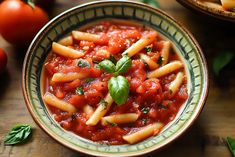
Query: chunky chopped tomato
{"points": [[150, 99]]}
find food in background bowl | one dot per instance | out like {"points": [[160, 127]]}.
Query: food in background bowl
{"points": [[220, 4], [222, 9], [184, 46], [126, 103]]}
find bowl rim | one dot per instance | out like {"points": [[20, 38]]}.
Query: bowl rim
{"points": [[189, 122], [219, 14]]}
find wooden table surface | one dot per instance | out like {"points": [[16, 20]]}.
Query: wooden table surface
{"points": [[203, 139]]}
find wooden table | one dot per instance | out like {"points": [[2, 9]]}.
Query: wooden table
{"points": [[203, 139]]}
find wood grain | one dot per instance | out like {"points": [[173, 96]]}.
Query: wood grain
{"points": [[203, 139]]}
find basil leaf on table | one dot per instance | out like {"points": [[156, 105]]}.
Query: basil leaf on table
{"points": [[107, 66], [231, 145], [119, 89], [123, 65], [221, 61], [153, 3], [18, 134]]}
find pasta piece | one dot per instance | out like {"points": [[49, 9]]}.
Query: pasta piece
{"points": [[85, 36], [52, 100], [228, 4], [119, 118], [88, 110], [66, 51], [140, 44], [175, 85], [66, 41], [144, 133], [166, 69], [165, 52], [152, 65], [61, 77], [100, 111]]}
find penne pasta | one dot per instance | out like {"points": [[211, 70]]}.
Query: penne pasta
{"points": [[152, 65], [119, 118], [88, 110], [228, 4], [85, 36], [100, 111], [52, 100], [66, 41], [66, 51], [112, 57], [140, 44], [143, 133], [166, 69], [61, 77], [165, 52], [175, 85]]}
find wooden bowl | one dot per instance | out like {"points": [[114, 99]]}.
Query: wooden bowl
{"points": [[186, 46], [209, 8]]}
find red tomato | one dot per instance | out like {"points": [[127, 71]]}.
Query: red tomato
{"points": [[19, 22], [3, 60]]}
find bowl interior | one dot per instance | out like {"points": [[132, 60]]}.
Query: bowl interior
{"points": [[76, 17]]}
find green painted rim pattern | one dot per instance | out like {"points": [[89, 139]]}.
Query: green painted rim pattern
{"points": [[81, 15]]}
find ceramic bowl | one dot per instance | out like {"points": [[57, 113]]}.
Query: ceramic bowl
{"points": [[185, 45], [209, 8]]}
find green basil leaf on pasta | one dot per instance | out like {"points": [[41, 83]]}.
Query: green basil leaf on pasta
{"points": [[123, 65], [79, 90], [103, 103], [221, 61], [107, 66], [18, 134], [83, 63], [119, 89], [148, 49], [231, 145]]}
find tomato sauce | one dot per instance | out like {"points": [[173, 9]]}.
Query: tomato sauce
{"points": [[149, 98]]}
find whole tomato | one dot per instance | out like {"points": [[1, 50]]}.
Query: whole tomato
{"points": [[3, 60], [20, 21]]}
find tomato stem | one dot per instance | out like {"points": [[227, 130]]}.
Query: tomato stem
{"points": [[30, 3]]}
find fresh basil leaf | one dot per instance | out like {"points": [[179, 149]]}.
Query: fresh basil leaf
{"points": [[119, 89], [103, 103], [148, 49], [231, 145], [88, 80], [160, 60], [153, 3], [79, 91], [145, 110], [123, 65], [107, 66], [144, 121], [111, 123], [83, 63], [221, 61], [18, 134]]}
